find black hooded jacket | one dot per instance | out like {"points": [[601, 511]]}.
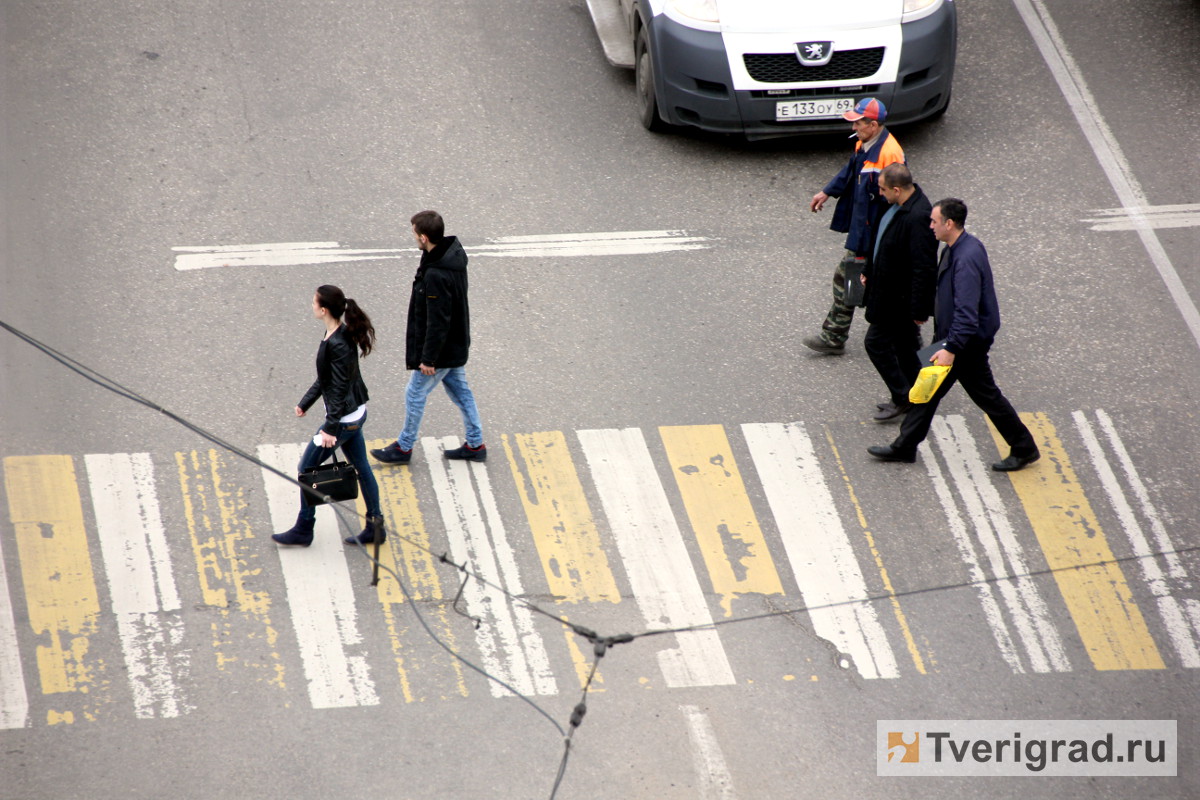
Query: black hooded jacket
{"points": [[439, 318]]}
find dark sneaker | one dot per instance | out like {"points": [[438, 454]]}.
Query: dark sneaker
{"points": [[468, 453], [368, 533], [392, 454], [821, 346], [301, 534]]}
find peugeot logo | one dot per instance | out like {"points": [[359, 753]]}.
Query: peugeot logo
{"points": [[814, 54]]}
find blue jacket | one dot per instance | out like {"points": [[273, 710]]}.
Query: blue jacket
{"points": [[856, 187], [966, 310]]}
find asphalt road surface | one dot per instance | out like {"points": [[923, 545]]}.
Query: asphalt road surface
{"points": [[178, 178]]}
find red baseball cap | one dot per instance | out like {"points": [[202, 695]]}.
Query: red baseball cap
{"points": [[868, 107]]}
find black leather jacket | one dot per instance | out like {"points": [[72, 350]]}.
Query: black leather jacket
{"points": [[338, 379]]}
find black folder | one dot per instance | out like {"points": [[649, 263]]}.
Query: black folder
{"points": [[926, 353]]}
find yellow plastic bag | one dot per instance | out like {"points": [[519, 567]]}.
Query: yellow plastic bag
{"points": [[927, 383]]}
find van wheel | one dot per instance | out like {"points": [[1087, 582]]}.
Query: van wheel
{"points": [[644, 81]]}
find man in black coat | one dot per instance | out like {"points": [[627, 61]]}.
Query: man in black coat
{"points": [[439, 338], [900, 279]]}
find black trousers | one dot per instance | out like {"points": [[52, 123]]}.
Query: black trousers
{"points": [[892, 346], [972, 370]]}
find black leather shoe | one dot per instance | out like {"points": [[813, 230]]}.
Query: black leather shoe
{"points": [[392, 454], [892, 411], [885, 452], [1015, 462]]}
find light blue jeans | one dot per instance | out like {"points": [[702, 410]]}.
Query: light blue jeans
{"points": [[419, 387]]}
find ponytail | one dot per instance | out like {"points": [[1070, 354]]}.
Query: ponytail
{"points": [[358, 324]]}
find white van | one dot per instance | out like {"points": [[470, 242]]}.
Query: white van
{"points": [[767, 68]]}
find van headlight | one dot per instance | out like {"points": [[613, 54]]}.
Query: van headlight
{"points": [[916, 9], [701, 14]]}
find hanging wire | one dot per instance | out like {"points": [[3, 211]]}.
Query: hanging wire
{"points": [[601, 644]]}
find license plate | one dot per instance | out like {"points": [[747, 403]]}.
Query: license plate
{"points": [[813, 108]]}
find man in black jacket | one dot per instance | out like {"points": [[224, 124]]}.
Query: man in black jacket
{"points": [[900, 279], [439, 337]]}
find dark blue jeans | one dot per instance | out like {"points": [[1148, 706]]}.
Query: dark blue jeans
{"points": [[354, 448]]}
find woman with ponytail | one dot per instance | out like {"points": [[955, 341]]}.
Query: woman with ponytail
{"points": [[348, 330]]}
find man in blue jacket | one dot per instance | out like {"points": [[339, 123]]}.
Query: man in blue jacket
{"points": [[967, 317], [858, 209], [438, 340]]}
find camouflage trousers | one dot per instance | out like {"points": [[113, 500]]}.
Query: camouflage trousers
{"points": [[836, 327]]}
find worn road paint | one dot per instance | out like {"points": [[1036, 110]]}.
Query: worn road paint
{"points": [[818, 547], [727, 530], [656, 560]]}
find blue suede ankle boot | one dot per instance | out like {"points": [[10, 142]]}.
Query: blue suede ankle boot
{"points": [[368, 534], [301, 534]]}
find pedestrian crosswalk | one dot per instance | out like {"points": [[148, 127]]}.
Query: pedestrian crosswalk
{"points": [[131, 583]]}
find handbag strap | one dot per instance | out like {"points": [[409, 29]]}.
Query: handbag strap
{"points": [[332, 451]]}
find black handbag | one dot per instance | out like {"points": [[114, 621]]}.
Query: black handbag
{"points": [[337, 481]]}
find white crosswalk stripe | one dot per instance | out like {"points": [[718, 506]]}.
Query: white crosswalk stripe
{"points": [[985, 589], [14, 702], [713, 777], [1182, 622], [320, 597], [1005, 555], [659, 567], [142, 586], [510, 646], [818, 547]]}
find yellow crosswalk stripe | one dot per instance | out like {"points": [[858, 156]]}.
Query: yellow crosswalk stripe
{"points": [[564, 530], [1108, 619], [60, 586], [227, 554], [583, 656], [731, 540], [408, 552], [910, 641]]}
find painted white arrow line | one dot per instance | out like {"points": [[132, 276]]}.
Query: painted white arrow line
{"points": [[1128, 219], [292, 254]]}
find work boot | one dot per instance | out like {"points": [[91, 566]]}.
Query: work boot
{"points": [[822, 346]]}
